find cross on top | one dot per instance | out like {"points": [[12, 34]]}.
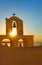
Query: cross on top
{"points": [[13, 14]]}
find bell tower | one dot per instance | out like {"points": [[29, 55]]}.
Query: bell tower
{"points": [[14, 26], [14, 33]]}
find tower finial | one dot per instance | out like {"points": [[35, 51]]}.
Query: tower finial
{"points": [[13, 14]]}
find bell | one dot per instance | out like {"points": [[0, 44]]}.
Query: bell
{"points": [[14, 25]]}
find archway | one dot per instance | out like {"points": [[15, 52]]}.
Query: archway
{"points": [[6, 42], [14, 28], [20, 43]]}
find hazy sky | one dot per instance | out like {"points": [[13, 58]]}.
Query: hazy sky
{"points": [[30, 11]]}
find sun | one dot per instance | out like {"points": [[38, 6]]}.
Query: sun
{"points": [[14, 32]]}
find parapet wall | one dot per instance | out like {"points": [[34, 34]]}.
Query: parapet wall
{"points": [[20, 56]]}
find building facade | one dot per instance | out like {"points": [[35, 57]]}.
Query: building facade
{"points": [[14, 34]]}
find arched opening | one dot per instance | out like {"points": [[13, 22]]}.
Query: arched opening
{"points": [[6, 42], [14, 28], [20, 43]]}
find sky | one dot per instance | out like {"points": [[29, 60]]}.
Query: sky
{"points": [[30, 11]]}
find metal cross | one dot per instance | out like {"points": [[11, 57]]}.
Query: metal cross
{"points": [[13, 14]]}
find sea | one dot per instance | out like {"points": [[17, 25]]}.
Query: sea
{"points": [[37, 43]]}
